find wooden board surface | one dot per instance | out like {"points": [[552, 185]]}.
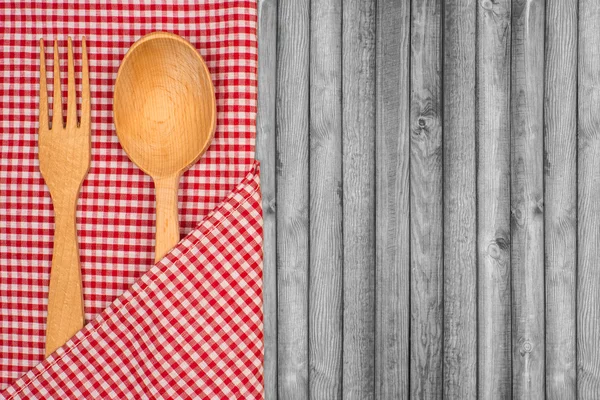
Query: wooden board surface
{"points": [[493, 200], [291, 163], [527, 198], [460, 201], [266, 154], [588, 191], [560, 203], [426, 217], [392, 332], [358, 197], [431, 176], [326, 246]]}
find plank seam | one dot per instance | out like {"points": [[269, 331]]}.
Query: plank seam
{"points": [[275, 180], [576, 272], [343, 242], [510, 269], [308, 200], [544, 193], [476, 133], [409, 311], [375, 92], [441, 63]]}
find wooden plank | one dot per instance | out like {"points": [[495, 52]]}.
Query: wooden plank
{"points": [[527, 198], [358, 113], [493, 200], [560, 197], [326, 251], [265, 152], [460, 201], [292, 116], [588, 154], [392, 337], [426, 218]]}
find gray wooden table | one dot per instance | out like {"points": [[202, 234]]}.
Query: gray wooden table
{"points": [[431, 189]]}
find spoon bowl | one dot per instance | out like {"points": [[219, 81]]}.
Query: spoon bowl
{"points": [[165, 116]]}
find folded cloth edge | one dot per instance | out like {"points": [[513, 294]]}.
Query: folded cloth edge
{"points": [[241, 194]]}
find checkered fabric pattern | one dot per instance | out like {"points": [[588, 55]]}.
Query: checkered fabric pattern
{"points": [[190, 326]]}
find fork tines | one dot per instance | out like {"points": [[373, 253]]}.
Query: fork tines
{"points": [[57, 112]]}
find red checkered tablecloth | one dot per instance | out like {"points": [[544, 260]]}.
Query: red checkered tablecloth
{"points": [[189, 326]]}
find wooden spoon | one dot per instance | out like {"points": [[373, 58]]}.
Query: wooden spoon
{"points": [[165, 115]]}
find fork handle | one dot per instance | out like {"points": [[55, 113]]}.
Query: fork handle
{"points": [[167, 220], [65, 295]]}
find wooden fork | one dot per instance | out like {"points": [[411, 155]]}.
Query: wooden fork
{"points": [[64, 154]]}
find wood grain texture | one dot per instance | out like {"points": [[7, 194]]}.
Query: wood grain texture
{"points": [[476, 161], [392, 330], [426, 219], [493, 199], [588, 159], [266, 154], [527, 198], [358, 113], [460, 201], [326, 246], [560, 197], [293, 36]]}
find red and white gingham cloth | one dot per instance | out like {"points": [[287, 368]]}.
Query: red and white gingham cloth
{"points": [[189, 326]]}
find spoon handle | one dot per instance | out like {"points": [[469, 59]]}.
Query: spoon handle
{"points": [[167, 221]]}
